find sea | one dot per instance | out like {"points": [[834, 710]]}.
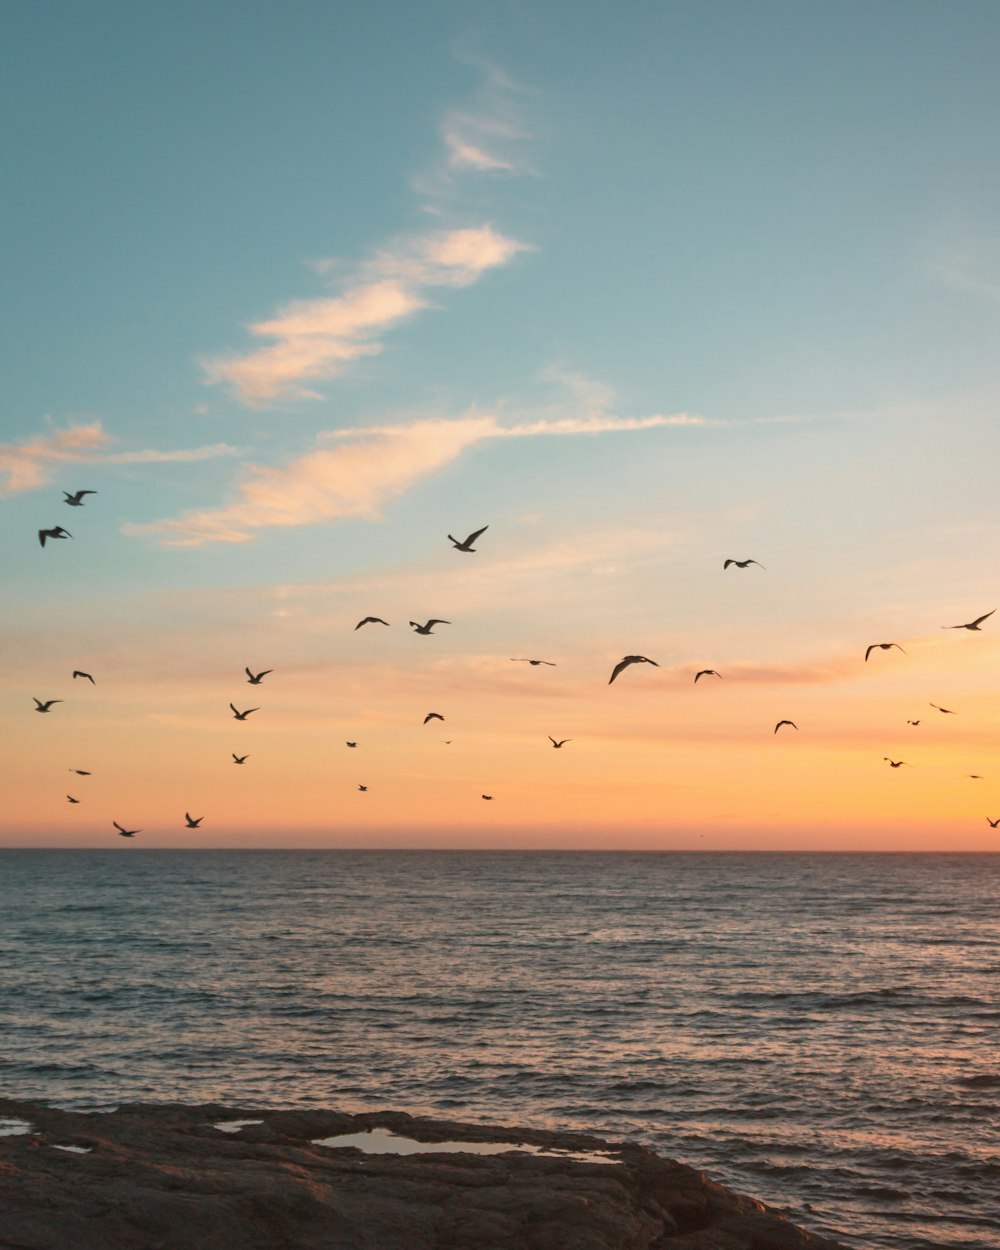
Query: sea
{"points": [[821, 1031]]}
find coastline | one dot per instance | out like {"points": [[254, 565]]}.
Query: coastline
{"points": [[166, 1177]]}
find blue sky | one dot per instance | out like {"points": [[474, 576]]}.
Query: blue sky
{"points": [[298, 290]]}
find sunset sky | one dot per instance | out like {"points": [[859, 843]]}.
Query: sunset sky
{"points": [[301, 289]]}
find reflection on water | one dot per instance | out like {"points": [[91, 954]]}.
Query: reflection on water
{"points": [[14, 1128], [382, 1141]]}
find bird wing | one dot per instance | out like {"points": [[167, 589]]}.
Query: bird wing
{"points": [[870, 650], [979, 619], [435, 621], [728, 563], [618, 668], [42, 535], [472, 537]]}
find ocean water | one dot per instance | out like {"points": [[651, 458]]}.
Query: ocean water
{"points": [[821, 1031]]}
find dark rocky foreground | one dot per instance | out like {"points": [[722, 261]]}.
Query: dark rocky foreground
{"points": [[163, 1178]]}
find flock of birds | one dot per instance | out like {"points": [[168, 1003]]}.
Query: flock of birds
{"points": [[76, 499]]}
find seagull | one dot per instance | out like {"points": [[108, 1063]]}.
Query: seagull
{"points": [[70, 799], [79, 673], [524, 660], [79, 772], [742, 564], [946, 710], [125, 833], [239, 759], [975, 776], [884, 646], [76, 500], [707, 672], [192, 822], [426, 629], [895, 763], [44, 707], [913, 722], [244, 715], [352, 744], [557, 745], [363, 789], [630, 659], [993, 823], [972, 624], [58, 532], [467, 545], [433, 716], [370, 620], [256, 680], [487, 797], [785, 722]]}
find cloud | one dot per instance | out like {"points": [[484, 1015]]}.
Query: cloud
{"points": [[29, 465], [316, 339], [354, 472]]}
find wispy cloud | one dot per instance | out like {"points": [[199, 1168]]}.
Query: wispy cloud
{"points": [[30, 464], [354, 472]]}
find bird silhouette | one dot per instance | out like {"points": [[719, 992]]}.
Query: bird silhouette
{"points": [[125, 833], [972, 624], [70, 799], [974, 776], [993, 823], [785, 722], [946, 710], [56, 532], [370, 620], [707, 672], [487, 797], [433, 716], [244, 715], [192, 822], [562, 742], [426, 629], [467, 544], [239, 759], [363, 789], [79, 772], [76, 499], [256, 679], [630, 659], [352, 744], [895, 763], [884, 646], [44, 707], [913, 722], [520, 659], [79, 673], [742, 564]]}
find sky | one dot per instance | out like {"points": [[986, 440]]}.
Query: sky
{"points": [[300, 290]]}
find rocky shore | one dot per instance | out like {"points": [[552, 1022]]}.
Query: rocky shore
{"points": [[168, 1178]]}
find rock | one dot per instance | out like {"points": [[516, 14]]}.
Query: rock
{"points": [[164, 1178]]}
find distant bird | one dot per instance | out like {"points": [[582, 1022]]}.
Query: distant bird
{"points": [[57, 532], [972, 624], [895, 763], [433, 716], [426, 629], [993, 823], [884, 646], [707, 672], [239, 759], [742, 564], [79, 673], [487, 797], [524, 660], [352, 744], [467, 544], [370, 620], [192, 822], [785, 722], [256, 679], [363, 789], [76, 500], [44, 707], [630, 659], [70, 799], [244, 715], [974, 776], [562, 742], [913, 722], [79, 772], [946, 710], [125, 833]]}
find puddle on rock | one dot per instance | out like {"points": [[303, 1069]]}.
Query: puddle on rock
{"points": [[234, 1126], [382, 1141], [14, 1128]]}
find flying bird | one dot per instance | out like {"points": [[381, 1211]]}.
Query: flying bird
{"points": [[125, 833], [256, 679], [57, 532], [433, 716], [785, 722], [895, 763], [352, 744], [80, 673], [975, 776], [884, 646], [524, 660], [192, 822], [244, 715], [742, 564], [370, 620], [707, 672], [913, 722], [467, 544], [363, 789], [562, 742], [44, 707], [993, 823], [630, 659], [946, 710], [76, 499], [487, 797], [426, 629], [972, 624], [239, 759], [79, 772], [70, 799]]}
